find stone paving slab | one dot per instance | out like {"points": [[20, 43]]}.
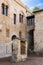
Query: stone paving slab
{"points": [[30, 61]]}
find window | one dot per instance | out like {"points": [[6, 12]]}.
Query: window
{"points": [[21, 18], [33, 21], [14, 18], [30, 21], [20, 34], [23, 47], [7, 32], [6, 10], [3, 9], [0, 30]]}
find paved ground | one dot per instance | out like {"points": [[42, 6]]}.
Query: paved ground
{"points": [[30, 61]]}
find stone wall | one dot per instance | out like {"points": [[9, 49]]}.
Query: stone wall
{"points": [[14, 7], [5, 50], [38, 33]]}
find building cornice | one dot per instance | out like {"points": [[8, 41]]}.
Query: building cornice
{"points": [[21, 4]]}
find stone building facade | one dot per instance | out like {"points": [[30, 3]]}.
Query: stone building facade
{"points": [[13, 23], [35, 31], [38, 32]]}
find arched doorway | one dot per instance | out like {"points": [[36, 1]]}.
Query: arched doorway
{"points": [[13, 37]]}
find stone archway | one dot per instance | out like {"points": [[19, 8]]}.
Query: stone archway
{"points": [[13, 37]]}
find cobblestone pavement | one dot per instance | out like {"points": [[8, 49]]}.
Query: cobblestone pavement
{"points": [[30, 61]]}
